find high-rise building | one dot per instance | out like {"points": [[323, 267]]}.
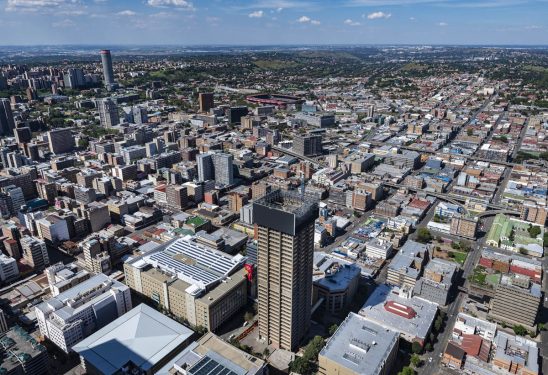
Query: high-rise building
{"points": [[108, 113], [285, 224], [307, 145], [223, 168], [206, 101], [204, 163], [74, 78], [7, 124], [35, 252], [235, 114], [60, 141], [140, 115], [108, 72], [176, 196]]}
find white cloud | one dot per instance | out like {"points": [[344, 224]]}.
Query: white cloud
{"points": [[442, 24], [63, 23], [256, 14], [182, 4], [35, 5], [126, 13], [378, 15], [412, 18], [349, 22], [306, 19], [279, 9]]}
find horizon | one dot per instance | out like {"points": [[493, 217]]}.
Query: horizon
{"points": [[274, 22]]}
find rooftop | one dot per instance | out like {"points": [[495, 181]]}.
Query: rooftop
{"points": [[143, 336], [360, 345], [389, 307]]}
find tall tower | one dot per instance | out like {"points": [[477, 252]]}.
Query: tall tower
{"points": [[204, 163], [223, 168], [108, 72], [285, 222], [6, 118], [108, 112]]}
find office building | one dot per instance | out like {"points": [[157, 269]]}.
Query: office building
{"points": [[335, 281], [513, 291], [139, 342], [108, 72], [307, 145], [96, 256], [108, 112], [213, 354], [437, 281], [60, 141], [532, 212], [204, 162], [74, 314], [285, 225], [176, 196], [464, 227], [359, 347], [8, 268], [140, 115], [7, 124], [193, 282], [62, 277], [235, 114], [378, 248], [319, 120], [223, 169], [3, 322], [22, 354], [206, 101], [35, 252], [74, 78], [407, 265]]}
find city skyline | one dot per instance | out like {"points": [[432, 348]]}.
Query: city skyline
{"points": [[181, 22]]}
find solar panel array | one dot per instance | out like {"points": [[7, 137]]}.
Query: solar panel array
{"points": [[209, 366], [206, 266]]}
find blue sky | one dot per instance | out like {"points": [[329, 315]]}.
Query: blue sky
{"points": [[273, 21]]}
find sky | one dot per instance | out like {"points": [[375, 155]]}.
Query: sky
{"points": [[269, 22]]}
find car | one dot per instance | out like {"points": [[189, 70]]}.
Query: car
{"points": [[231, 336], [245, 324]]}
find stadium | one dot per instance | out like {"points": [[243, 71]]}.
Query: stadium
{"points": [[274, 99]]}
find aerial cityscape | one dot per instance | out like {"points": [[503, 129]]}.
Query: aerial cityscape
{"points": [[284, 187]]}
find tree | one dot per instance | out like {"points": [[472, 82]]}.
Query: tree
{"points": [[423, 235], [248, 316], [332, 329], [428, 347], [416, 347], [519, 330], [534, 231], [469, 132], [299, 365], [407, 371], [416, 361]]}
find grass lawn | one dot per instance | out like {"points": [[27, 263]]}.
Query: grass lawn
{"points": [[458, 257]]}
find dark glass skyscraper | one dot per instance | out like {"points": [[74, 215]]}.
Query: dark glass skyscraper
{"points": [[108, 72], [6, 118]]}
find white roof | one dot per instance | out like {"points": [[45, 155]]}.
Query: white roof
{"points": [[142, 335]]}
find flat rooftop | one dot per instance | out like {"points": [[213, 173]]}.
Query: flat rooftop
{"points": [[143, 336], [191, 262], [420, 312], [360, 345]]}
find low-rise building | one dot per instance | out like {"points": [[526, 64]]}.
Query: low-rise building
{"points": [[211, 351], [335, 281], [140, 341], [378, 248], [394, 308], [359, 347], [20, 353]]}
